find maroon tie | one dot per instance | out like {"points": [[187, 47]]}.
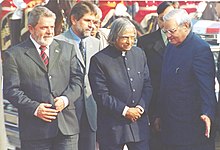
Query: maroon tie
{"points": [[43, 55]]}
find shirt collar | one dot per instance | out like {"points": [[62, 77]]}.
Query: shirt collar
{"points": [[75, 37], [164, 37], [123, 53], [187, 39]]}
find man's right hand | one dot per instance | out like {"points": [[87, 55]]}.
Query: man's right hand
{"points": [[156, 125], [133, 114], [46, 113]]}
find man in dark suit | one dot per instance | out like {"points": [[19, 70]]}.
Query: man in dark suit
{"points": [[83, 16], [120, 83], [154, 45], [42, 78], [187, 101]]}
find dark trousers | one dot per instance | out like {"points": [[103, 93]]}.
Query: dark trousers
{"points": [[142, 145], [87, 137], [60, 142], [205, 146], [155, 142]]}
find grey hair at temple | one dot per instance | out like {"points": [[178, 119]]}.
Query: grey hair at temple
{"points": [[180, 15], [37, 12], [99, 11], [119, 26]]}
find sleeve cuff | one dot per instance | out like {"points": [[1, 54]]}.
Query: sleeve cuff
{"points": [[35, 113], [65, 100], [141, 108], [125, 110]]}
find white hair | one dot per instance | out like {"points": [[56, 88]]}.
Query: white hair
{"points": [[98, 11], [180, 15]]}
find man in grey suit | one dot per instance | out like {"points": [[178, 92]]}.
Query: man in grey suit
{"points": [[44, 91], [82, 22]]}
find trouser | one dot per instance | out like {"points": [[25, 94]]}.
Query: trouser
{"points": [[60, 142], [155, 142], [87, 137], [204, 146], [142, 145]]}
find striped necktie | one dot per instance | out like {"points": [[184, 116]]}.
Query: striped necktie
{"points": [[43, 55], [82, 49]]}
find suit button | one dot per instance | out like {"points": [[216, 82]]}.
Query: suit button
{"points": [[133, 101], [131, 79], [50, 77], [134, 90], [128, 69]]}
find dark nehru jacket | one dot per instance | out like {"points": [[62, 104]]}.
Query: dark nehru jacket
{"points": [[118, 81], [187, 91]]}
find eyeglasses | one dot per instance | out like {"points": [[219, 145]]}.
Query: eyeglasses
{"points": [[171, 31], [126, 38]]}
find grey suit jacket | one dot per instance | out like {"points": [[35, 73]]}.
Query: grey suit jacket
{"points": [[27, 83], [92, 46]]}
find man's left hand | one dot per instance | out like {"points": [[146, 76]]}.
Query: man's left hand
{"points": [[207, 121], [59, 104]]}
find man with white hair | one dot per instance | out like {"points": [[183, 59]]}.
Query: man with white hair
{"points": [[187, 101], [43, 80]]}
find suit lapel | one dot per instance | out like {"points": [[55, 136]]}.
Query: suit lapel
{"points": [[34, 55], [79, 56], [55, 51], [92, 47], [159, 47], [69, 39]]}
